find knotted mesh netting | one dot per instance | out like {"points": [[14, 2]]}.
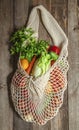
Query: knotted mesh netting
{"points": [[39, 99]]}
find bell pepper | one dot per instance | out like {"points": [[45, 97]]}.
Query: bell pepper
{"points": [[55, 53]]}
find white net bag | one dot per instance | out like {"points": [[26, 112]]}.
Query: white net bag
{"points": [[38, 100]]}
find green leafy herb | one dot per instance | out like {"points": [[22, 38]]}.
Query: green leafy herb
{"points": [[26, 44]]}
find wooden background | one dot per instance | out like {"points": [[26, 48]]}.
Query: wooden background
{"points": [[13, 15]]}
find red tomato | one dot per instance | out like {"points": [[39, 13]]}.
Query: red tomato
{"points": [[55, 49]]}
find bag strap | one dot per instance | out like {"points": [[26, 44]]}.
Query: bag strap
{"points": [[55, 31]]}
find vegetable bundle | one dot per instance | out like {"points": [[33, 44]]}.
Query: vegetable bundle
{"points": [[35, 55]]}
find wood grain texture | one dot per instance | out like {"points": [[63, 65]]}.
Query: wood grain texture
{"points": [[73, 75], [21, 9], [6, 26], [14, 15]]}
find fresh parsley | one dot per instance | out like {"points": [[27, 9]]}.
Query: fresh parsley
{"points": [[26, 44]]}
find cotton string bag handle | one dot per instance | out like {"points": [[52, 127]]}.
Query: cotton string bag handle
{"points": [[55, 31], [39, 100]]}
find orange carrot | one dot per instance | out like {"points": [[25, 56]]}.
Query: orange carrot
{"points": [[52, 62], [28, 70]]}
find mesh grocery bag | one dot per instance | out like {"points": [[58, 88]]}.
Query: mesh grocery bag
{"points": [[39, 99]]}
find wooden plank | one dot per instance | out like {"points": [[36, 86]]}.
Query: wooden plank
{"points": [[6, 26], [19, 124], [59, 11], [45, 3], [59, 2], [21, 9], [73, 75]]}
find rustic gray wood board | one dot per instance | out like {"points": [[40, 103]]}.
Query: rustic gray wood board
{"points": [[6, 27], [13, 15], [73, 74]]}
